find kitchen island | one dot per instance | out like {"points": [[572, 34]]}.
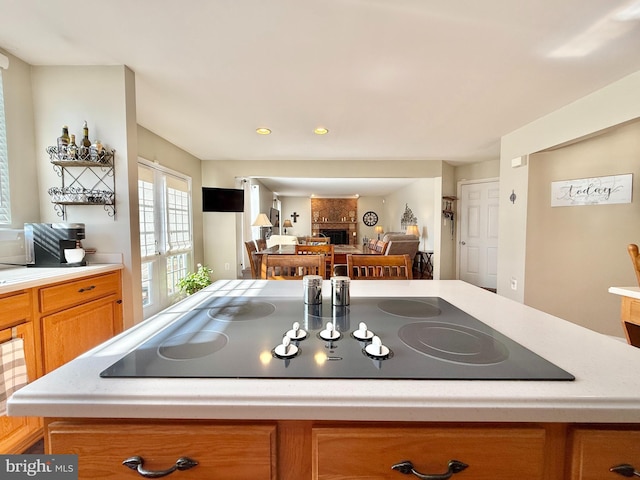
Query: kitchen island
{"points": [[329, 428]]}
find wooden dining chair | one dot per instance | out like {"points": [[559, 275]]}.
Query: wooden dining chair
{"points": [[253, 258], [261, 243], [326, 250], [291, 267], [635, 259], [379, 267]]}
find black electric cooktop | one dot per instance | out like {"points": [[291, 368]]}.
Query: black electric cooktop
{"points": [[418, 338]]}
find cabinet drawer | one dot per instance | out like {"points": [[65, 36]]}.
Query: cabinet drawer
{"points": [[222, 451], [595, 451], [369, 453], [77, 291], [15, 308]]}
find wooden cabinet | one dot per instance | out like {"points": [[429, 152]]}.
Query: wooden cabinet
{"points": [[483, 453], [77, 316], [18, 433], [630, 316], [73, 331], [57, 322], [594, 451], [321, 450], [228, 451]]}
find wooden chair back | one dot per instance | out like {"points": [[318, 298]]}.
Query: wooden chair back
{"points": [[291, 267], [635, 259], [261, 243], [317, 240], [326, 250], [379, 267], [253, 258]]}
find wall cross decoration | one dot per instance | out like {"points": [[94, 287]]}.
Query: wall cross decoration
{"points": [[295, 216]]}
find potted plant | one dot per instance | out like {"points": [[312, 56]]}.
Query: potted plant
{"points": [[195, 281]]}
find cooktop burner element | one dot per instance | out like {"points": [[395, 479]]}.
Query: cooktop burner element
{"points": [[233, 309], [454, 343], [192, 345], [419, 338], [409, 308]]}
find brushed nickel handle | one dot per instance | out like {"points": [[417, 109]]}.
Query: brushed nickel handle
{"points": [[86, 289], [406, 467], [625, 470], [137, 463]]}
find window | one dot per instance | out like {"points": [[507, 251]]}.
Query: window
{"points": [[166, 240], [5, 206]]}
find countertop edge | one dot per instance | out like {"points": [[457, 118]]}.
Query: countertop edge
{"points": [[33, 277], [633, 292]]}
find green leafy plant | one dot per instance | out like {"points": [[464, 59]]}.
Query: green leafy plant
{"points": [[195, 281]]}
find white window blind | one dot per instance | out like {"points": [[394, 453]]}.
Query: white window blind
{"points": [[178, 214], [5, 205]]}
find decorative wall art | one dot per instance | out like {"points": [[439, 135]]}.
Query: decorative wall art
{"points": [[408, 218], [592, 191]]}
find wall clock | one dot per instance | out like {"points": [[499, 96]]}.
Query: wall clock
{"points": [[370, 219]]}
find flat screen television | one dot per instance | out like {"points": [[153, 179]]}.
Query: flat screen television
{"points": [[222, 199]]}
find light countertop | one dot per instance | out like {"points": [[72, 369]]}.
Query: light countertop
{"points": [[19, 278], [606, 389], [633, 292]]}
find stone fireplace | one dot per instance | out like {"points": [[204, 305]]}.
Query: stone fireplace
{"points": [[337, 236], [335, 218]]}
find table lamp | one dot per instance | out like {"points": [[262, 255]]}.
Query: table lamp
{"points": [[379, 230], [287, 224], [413, 230]]}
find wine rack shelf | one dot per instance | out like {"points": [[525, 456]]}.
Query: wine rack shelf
{"points": [[86, 180]]}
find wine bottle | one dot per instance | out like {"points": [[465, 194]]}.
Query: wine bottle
{"points": [[72, 149], [96, 150], [63, 143], [85, 145]]}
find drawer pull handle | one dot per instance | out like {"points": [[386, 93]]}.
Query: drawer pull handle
{"points": [[625, 470], [136, 463], [86, 289], [406, 467]]}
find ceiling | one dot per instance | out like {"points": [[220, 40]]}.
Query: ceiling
{"points": [[390, 79], [334, 187]]}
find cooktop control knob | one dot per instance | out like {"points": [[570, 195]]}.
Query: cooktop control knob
{"points": [[362, 333], [329, 332], [376, 348], [296, 333], [286, 349]]}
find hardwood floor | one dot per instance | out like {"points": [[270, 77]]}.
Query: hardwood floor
{"points": [[36, 448]]}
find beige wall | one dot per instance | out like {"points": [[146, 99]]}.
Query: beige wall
{"points": [[574, 254], [612, 105], [105, 98]]}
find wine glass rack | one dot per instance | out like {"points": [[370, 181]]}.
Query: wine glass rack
{"points": [[86, 180]]}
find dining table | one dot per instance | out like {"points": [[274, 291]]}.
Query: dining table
{"points": [[340, 251]]}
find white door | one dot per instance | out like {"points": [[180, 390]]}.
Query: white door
{"points": [[478, 250]]}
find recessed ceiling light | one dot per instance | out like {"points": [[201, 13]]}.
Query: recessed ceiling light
{"points": [[263, 131], [321, 131]]}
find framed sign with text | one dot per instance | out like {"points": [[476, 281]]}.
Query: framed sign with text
{"points": [[592, 191]]}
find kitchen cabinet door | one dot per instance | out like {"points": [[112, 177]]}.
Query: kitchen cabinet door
{"points": [[73, 331], [371, 453], [595, 451], [19, 433], [222, 452]]}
